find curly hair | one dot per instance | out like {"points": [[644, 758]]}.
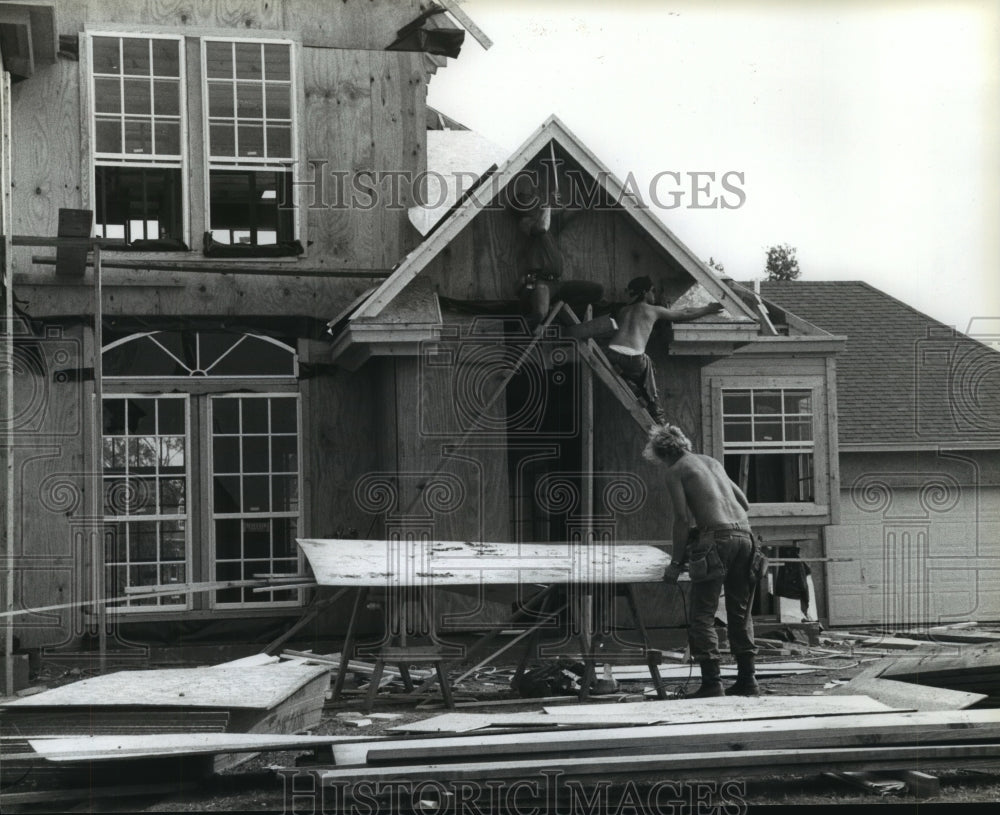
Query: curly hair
{"points": [[666, 441]]}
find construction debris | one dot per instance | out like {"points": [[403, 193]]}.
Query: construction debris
{"points": [[681, 711], [186, 715], [880, 730]]}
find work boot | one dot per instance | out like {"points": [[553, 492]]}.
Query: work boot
{"points": [[746, 682], [711, 681]]}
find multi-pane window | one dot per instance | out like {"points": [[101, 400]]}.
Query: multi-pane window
{"points": [[141, 135], [255, 489], [251, 141], [138, 125], [200, 486], [768, 442], [145, 480]]}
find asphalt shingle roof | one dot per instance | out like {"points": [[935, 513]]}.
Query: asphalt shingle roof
{"points": [[904, 377]]}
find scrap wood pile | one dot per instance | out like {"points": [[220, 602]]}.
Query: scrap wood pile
{"points": [[66, 738], [721, 738], [159, 730]]}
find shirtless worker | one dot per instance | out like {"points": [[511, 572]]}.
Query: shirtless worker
{"points": [[627, 348], [722, 554]]}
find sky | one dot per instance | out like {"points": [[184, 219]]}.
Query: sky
{"points": [[867, 133]]}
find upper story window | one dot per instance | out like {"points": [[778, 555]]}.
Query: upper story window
{"points": [[769, 449], [137, 125], [143, 132], [249, 97]]}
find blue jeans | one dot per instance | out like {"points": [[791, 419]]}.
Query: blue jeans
{"points": [[735, 547]]}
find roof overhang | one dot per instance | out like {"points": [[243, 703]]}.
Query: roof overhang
{"points": [[710, 338], [400, 330], [28, 37]]}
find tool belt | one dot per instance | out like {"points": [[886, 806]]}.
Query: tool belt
{"points": [[758, 561], [707, 565]]}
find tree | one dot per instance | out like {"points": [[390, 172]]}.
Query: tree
{"points": [[782, 263]]}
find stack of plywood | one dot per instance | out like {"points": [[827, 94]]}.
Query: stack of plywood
{"points": [[197, 703]]}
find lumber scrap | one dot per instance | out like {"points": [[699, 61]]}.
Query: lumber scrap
{"points": [[786, 734], [961, 665], [253, 660], [946, 635], [342, 562], [256, 687], [99, 720], [117, 748], [900, 694], [355, 665], [641, 672], [683, 765], [740, 707], [469, 722], [639, 713]]}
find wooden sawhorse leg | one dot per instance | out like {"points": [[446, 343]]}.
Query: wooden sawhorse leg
{"points": [[345, 655]]}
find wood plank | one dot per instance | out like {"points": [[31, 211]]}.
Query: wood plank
{"points": [[676, 712], [466, 22], [710, 764], [908, 694], [692, 710], [469, 722], [641, 672], [261, 687], [799, 732], [110, 748], [99, 720], [947, 635], [594, 357], [245, 662], [454, 563], [198, 293], [965, 662]]}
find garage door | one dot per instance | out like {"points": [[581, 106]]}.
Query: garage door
{"points": [[908, 567]]}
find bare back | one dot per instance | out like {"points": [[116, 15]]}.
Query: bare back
{"points": [[635, 324], [711, 497]]}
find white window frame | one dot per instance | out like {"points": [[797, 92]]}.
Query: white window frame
{"points": [[212, 515], [820, 448], [198, 392], [159, 607], [123, 159], [263, 164]]}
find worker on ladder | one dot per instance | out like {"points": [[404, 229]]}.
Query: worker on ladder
{"points": [[627, 347]]}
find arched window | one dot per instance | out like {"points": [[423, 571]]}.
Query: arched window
{"points": [[200, 455], [183, 354]]}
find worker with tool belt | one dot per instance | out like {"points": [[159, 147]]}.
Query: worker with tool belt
{"points": [[723, 554]]}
